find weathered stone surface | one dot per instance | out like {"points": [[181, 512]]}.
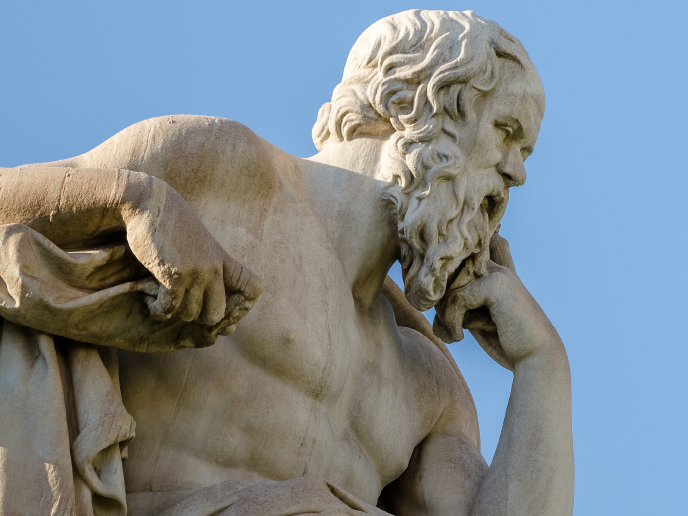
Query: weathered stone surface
{"points": [[321, 389]]}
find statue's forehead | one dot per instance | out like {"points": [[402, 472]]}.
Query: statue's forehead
{"points": [[519, 95]]}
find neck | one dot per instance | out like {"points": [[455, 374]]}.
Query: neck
{"points": [[344, 186], [362, 155]]}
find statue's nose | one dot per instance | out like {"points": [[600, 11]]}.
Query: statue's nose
{"points": [[512, 168]]}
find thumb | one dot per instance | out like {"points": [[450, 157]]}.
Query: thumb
{"points": [[164, 304]]}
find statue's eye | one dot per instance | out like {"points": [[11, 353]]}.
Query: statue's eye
{"points": [[507, 130]]}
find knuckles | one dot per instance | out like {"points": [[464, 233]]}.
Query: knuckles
{"points": [[187, 298]]}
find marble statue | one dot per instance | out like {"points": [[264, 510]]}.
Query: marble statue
{"points": [[197, 323]]}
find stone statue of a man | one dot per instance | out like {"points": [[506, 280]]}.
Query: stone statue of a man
{"points": [[320, 401]]}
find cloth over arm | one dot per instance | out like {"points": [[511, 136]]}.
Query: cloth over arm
{"points": [[63, 428]]}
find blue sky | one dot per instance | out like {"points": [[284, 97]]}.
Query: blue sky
{"points": [[598, 232]]}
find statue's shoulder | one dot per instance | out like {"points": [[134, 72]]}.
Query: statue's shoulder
{"points": [[202, 133], [194, 154], [432, 367], [195, 140]]}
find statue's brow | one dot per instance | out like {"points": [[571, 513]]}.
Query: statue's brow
{"points": [[515, 124]]}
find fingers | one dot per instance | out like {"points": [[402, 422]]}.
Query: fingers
{"points": [[474, 298], [469, 307], [441, 330], [165, 304], [483, 291], [202, 301], [500, 252], [192, 304], [233, 274], [218, 299], [242, 288], [238, 306], [214, 304], [239, 278], [458, 303]]}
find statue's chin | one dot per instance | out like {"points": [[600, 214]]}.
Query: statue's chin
{"points": [[424, 290]]}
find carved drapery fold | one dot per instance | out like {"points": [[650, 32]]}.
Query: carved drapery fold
{"points": [[63, 428], [44, 413]]}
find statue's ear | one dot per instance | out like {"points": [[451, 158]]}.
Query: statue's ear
{"points": [[321, 129]]}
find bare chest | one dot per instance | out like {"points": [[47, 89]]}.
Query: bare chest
{"points": [[307, 385]]}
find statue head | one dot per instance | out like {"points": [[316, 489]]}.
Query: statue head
{"points": [[460, 104]]}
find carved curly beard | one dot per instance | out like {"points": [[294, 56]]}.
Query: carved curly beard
{"points": [[446, 215]]}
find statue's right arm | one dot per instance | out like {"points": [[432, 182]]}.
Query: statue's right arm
{"points": [[120, 183], [72, 206]]}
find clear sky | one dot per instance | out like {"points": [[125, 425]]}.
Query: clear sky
{"points": [[598, 232]]}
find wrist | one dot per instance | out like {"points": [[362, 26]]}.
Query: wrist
{"points": [[550, 356], [141, 209], [142, 197]]}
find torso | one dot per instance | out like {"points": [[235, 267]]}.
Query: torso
{"points": [[310, 384]]}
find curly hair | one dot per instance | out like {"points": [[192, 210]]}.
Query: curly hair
{"points": [[407, 70], [411, 77]]}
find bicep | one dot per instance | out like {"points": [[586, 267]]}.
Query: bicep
{"points": [[442, 478]]}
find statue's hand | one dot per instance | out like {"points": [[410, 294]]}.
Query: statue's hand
{"points": [[198, 280], [499, 312]]}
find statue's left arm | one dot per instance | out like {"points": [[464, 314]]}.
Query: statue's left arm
{"points": [[532, 472]]}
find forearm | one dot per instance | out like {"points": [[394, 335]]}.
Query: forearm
{"points": [[532, 470], [69, 206]]}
